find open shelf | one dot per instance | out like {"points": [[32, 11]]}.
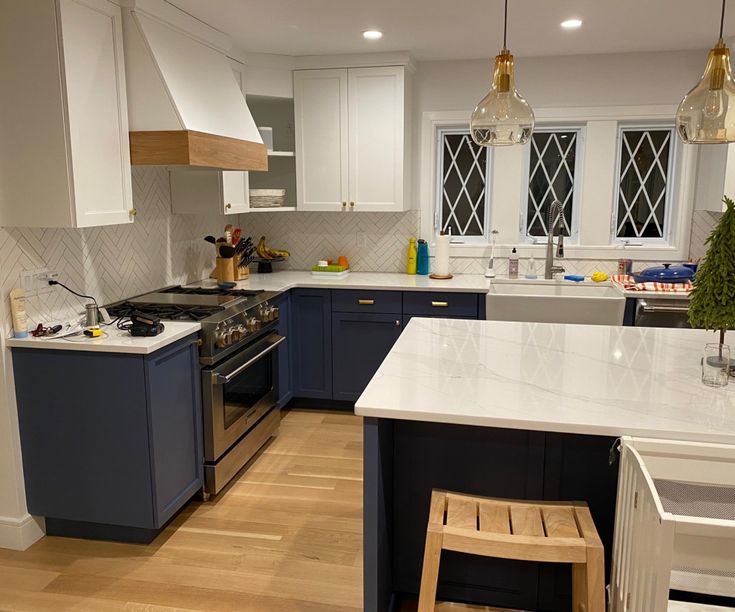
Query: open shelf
{"points": [[274, 209]]}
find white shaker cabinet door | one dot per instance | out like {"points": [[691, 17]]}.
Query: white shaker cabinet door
{"points": [[320, 107], [235, 192], [97, 112], [376, 139]]}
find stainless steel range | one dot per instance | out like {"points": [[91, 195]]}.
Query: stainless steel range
{"points": [[239, 368]]}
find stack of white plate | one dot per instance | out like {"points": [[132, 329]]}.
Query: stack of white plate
{"points": [[267, 198]]}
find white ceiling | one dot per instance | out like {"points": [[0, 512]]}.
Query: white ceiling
{"points": [[456, 29]]}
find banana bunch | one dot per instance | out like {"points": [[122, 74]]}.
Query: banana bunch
{"points": [[265, 252]]}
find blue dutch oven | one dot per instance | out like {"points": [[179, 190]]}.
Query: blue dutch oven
{"points": [[667, 273]]}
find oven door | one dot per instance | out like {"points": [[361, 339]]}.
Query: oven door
{"points": [[237, 393]]}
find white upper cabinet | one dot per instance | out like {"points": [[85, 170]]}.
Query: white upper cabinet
{"points": [[209, 191], [320, 112], [66, 159], [376, 114], [351, 139]]}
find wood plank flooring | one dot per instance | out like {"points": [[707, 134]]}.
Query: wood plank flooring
{"points": [[286, 536]]}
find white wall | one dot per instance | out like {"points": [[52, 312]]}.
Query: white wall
{"points": [[566, 81]]}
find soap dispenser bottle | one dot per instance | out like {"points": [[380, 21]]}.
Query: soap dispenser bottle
{"points": [[513, 264]]}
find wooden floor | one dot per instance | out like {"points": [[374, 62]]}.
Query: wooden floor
{"points": [[285, 536]]}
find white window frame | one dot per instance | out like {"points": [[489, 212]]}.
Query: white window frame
{"points": [[523, 236], [506, 220], [439, 189], [672, 179]]}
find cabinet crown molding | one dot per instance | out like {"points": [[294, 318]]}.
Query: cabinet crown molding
{"points": [[356, 60]]}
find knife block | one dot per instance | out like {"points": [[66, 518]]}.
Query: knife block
{"points": [[224, 272], [240, 273]]}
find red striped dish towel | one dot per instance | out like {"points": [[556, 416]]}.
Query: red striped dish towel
{"points": [[628, 282]]}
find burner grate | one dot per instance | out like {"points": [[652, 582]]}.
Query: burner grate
{"points": [[212, 291], [171, 312]]}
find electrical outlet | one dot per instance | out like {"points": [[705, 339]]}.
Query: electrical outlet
{"points": [[42, 279], [35, 282], [360, 239]]}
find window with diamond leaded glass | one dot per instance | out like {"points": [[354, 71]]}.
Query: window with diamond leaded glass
{"points": [[643, 182], [551, 172], [463, 185]]}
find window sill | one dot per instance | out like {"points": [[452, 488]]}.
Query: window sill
{"points": [[574, 251]]}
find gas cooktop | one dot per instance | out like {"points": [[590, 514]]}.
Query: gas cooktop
{"points": [[230, 318]]}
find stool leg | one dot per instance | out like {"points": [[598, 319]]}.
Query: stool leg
{"points": [[430, 571], [588, 583]]}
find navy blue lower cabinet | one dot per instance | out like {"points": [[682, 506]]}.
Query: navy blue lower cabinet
{"points": [[111, 443], [311, 349], [284, 378], [360, 342]]}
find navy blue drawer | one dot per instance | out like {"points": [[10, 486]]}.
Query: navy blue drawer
{"points": [[438, 304], [354, 300]]}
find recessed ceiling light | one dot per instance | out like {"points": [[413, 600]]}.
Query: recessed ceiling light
{"points": [[571, 24], [372, 34]]}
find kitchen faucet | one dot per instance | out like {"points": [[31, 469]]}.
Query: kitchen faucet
{"points": [[552, 224]]}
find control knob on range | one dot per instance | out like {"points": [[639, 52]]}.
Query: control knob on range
{"points": [[222, 338], [238, 333]]}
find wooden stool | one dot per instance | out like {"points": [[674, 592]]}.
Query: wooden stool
{"points": [[552, 532]]}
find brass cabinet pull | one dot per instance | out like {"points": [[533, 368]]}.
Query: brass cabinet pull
{"points": [[133, 211], [440, 304], [366, 302], [398, 323], [228, 206], [352, 205], [344, 204]]}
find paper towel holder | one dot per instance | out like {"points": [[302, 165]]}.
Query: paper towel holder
{"points": [[443, 276]]}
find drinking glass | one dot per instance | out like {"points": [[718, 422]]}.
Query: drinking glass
{"points": [[716, 365]]}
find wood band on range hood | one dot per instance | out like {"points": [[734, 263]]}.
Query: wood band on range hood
{"points": [[190, 148]]}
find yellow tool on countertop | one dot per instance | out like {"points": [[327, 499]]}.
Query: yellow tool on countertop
{"points": [[599, 277], [93, 332]]}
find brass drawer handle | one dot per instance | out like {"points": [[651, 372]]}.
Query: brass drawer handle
{"points": [[440, 304], [366, 302]]}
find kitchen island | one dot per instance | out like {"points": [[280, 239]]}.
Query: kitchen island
{"points": [[516, 410]]}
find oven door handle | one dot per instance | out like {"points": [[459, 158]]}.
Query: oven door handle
{"points": [[221, 379], [651, 308]]}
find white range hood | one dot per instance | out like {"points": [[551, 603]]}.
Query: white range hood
{"points": [[185, 107]]}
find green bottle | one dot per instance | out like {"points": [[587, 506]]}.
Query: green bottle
{"points": [[411, 257]]}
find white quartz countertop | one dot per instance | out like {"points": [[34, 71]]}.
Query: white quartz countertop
{"points": [[581, 379], [467, 283], [283, 281], [113, 341]]}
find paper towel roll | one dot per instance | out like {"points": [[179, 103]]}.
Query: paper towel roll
{"points": [[441, 258]]}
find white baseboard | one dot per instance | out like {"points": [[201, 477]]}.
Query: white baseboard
{"points": [[20, 533]]}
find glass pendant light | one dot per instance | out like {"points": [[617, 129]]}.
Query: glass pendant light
{"points": [[502, 117], [706, 115]]}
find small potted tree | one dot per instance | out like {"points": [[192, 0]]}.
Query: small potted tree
{"points": [[712, 303]]}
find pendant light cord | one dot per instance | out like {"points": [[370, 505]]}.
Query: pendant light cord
{"points": [[722, 17], [505, 24]]}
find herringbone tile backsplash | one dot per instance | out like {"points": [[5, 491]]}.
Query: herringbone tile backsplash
{"points": [[115, 262], [112, 262]]}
